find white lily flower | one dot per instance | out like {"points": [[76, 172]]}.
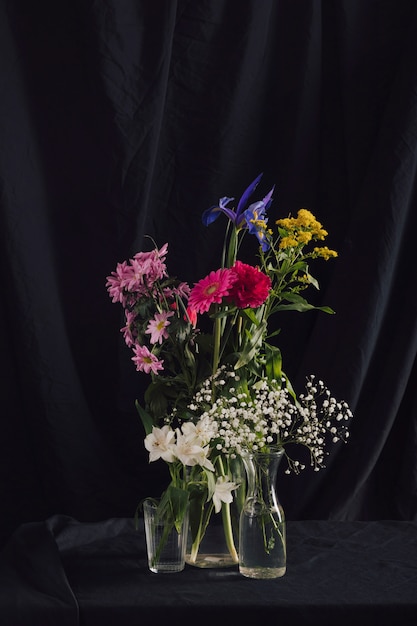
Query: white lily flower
{"points": [[187, 450], [202, 431], [190, 431], [203, 460], [160, 444], [223, 492]]}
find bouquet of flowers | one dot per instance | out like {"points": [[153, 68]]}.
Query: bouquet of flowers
{"points": [[213, 394]]}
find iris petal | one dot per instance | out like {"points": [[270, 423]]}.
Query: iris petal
{"points": [[268, 198], [211, 214], [245, 197], [241, 215]]}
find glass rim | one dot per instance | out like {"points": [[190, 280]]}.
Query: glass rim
{"points": [[273, 450]]}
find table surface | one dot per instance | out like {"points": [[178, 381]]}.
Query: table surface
{"points": [[62, 572]]}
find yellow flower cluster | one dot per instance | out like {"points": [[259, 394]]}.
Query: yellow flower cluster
{"points": [[300, 230], [325, 253]]}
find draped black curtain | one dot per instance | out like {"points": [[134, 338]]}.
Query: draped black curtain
{"points": [[122, 118]]}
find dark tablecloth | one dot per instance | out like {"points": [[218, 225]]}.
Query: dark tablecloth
{"points": [[64, 573]]}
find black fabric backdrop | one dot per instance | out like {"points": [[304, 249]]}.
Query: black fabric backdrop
{"points": [[122, 118]]}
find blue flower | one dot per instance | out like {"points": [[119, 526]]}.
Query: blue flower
{"points": [[211, 214], [256, 220], [238, 217]]}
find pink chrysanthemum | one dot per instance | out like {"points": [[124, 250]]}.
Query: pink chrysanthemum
{"points": [[157, 327], [116, 281], [129, 332], [182, 290], [211, 289], [145, 269], [250, 286], [153, 263], [146, 361]]}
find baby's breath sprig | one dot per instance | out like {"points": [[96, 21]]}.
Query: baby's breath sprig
{"points": [[255, 417]]}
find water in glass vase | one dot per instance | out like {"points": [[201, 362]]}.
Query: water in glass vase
{"points": [[262, 540], [262, 551]]}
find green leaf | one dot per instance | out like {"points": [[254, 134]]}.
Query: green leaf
{"points": [[326, 309], [232, 252], [292, 297], [174, 504], [298, 266], [288, 268], [250, 314], [251, 347], [290, 387], [296, 306], [145, 417], [156, 397], [274, 333], [312, 280], [211, 484], [189, 356], [273, 362], [298, 303]]}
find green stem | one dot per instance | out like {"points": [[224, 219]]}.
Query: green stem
{"points": [[216, 347], [228, 531], [204, 520], [227, 522], [196, 544], [167, 528]]}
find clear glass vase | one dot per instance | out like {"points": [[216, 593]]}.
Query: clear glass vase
{"points": [[262, 538], [213, 549], [213, 537], [165, 545]]}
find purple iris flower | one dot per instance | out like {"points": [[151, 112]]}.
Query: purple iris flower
{"points": [[252, 216], [256, 220], [237, 217]]}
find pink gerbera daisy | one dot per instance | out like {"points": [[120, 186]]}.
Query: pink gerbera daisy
{"points": [[211, 289], [146, 361]]}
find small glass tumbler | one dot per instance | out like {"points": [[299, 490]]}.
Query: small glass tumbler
{"points": [[165, 545]]}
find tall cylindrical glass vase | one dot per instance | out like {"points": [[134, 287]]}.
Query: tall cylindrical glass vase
{"points": [[262, 537]]}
